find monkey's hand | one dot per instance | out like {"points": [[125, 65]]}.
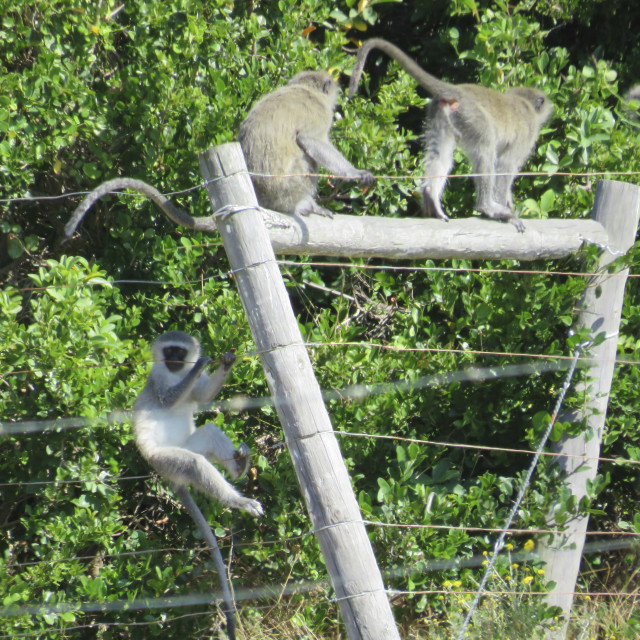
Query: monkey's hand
{"points": [[202, 362], [228, 359], [366, 177], [252, 507]]}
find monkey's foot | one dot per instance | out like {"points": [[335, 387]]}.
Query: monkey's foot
{"points": [[496, 211], [518, 224], [307, 206], [242, 459], [252, 507], [431, 207]]}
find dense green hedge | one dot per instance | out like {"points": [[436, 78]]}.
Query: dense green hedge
{"points": [[90, 91]]}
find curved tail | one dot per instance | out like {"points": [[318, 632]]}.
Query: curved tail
{"points": [[433, 85], [212, 543], [168, 208]]}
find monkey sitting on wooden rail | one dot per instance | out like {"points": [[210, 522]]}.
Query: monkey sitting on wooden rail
{"points": [[286, 134], [496, 130]]}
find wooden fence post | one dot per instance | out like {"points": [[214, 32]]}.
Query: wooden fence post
{"points": [[314, 450], [616, 207]]}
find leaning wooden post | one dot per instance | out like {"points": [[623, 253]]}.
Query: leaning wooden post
{"points": [[616, 207], [314, 450]]}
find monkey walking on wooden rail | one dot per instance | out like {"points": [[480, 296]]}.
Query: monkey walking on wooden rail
{"points": [[496, 130], [286, 134], [168, 439]]}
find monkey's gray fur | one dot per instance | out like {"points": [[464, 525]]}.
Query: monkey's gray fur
{"points": [[287, 133], [164, 428], [168, 439], [496, 130]]}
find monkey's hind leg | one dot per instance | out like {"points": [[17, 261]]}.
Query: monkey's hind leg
{"points": [[491, 201], [439, 145], [213, 443], [506, 169], [202, 474], [183, 467]]}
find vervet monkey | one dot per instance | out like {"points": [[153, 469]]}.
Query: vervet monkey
{"points": [[117, 184], [496, 130], [287, 134], [167, 437], [165, 431]]}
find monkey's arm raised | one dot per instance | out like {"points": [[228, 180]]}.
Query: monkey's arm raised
{"points": [[327, 156], [184, 390], [168, 208], [207, 387]]}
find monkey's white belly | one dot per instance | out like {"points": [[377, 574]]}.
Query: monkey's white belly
{"points": [[164, 428]]}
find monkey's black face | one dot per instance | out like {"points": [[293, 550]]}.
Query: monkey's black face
{"points": [[174, 357]]}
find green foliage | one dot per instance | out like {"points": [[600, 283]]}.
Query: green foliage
{"points": [[96, 90]]}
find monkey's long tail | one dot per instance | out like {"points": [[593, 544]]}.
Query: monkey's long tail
{"points": [[212, 543], [117, 184]]}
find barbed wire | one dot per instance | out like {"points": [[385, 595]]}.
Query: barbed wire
{"points": [[105, 479], [101, 480], [202, 185], [344, 265], [590, 594], [103, 625], [434, 564], [458, 445], [499, 543], [370, 345], [241, 403], [331, 176], [250, 594], [431, 565], [480, 270], [532, 531], [164, 620]]}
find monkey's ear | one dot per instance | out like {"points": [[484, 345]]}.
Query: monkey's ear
{"points": [[540, 103], [327, 86]]}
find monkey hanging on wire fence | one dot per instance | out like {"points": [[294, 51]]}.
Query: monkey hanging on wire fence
{"points": [[168, 439], [496, 130], [286, 135]]}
